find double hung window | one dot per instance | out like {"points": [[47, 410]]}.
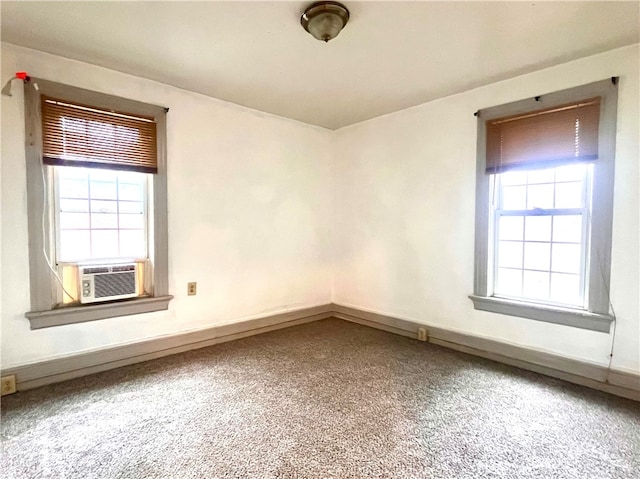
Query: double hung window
{"points": [[540, 235], [544, 207]]}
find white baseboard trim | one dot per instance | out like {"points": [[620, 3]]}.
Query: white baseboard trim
{"points": [[616, 382], [55, 370]]}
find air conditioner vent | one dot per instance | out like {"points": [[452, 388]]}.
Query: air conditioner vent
{"points": [[109, 285]]}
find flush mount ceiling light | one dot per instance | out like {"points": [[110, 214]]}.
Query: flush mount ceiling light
{"points": [[324, 20]]}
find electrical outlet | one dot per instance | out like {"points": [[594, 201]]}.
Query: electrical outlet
{"points": [[422, 334], [192, 288], [8, 384]]}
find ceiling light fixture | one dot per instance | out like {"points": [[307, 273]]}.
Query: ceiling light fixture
{"points": [[324, 20]]}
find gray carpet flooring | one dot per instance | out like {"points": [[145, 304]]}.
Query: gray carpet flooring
{"points": [[328, 399]]}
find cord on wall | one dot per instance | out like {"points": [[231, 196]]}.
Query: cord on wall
{"points": [[607, 289], [45, 205], [44, 232]]}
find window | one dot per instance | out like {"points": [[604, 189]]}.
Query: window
{"points": [[96, 186], [540, 224], [100, 214], [544, 202]]}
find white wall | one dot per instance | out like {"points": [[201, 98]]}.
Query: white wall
{"points": [[249, 212], [406, 190], [268, 214]]}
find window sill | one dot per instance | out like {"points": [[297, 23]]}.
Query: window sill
{"points": [[550, 314], [81, 314]]}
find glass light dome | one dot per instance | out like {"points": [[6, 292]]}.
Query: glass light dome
{"points": [[325, 20]]}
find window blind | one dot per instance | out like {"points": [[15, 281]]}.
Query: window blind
{"points": [[544, 138], [81, 135]]}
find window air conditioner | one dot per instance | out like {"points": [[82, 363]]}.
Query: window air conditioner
{"points": [[108, 282]]}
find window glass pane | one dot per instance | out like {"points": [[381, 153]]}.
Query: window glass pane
{"points": [[102, 190], [566, 258], [132, 243], [536, 256], [104, 206], [540, 196], [74, 205], [511, 227], [514, 197], [73, 173], [510, 254], [104, 220], [104, 243], [565, 288], [131, 221], [535, 285], [538, 228], [509, 282], [570, 172], [568, 195], [74, 245], [567, 228], [131, 177], [541, 176], [74, 221], [127, 191], [131, 207], [74, 188], [514, 178], [103, 175]]}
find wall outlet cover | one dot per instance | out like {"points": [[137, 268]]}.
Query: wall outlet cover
{"points": [[422, 334], [8, 384]]}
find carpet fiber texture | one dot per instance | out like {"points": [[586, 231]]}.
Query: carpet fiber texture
{"points": [[328, 399]]}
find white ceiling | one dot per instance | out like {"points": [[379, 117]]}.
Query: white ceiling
{"points": [[390, 56]]}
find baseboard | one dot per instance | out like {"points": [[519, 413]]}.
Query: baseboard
{"points": [[597, 377], [51, 371]]}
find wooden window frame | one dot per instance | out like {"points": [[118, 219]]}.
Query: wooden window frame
{"points": [[44, 311], [596, 315]]}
